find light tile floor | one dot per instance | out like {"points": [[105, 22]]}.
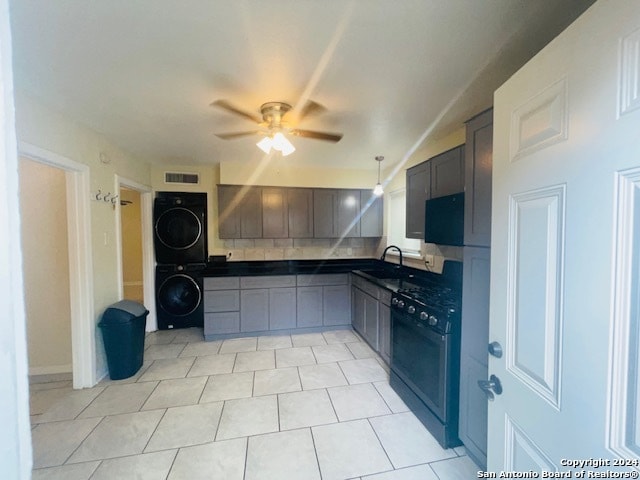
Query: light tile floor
{"points": [[310, 407]]}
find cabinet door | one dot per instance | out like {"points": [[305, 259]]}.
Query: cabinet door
{"points": [[478, 166], [300, 211], [275, 213], [228, 211], [371, 321], [371, 218], [324, 213], [254, 310], [309, 306], [357, 318], [217, 323], [251, 213], [282, 308], [447, 173], [347, 213], [384, 336], [473, 354], [336, 301], [418, 191]]}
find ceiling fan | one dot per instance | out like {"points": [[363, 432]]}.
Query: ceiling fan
{"points": [[273, 127]]}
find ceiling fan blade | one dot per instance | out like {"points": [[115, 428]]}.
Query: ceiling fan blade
{"points": [[311, 108], [232, 135], [330, 137], [230, 108]]}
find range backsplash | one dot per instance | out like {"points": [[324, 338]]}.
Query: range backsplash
{"points": [[298, 249]]}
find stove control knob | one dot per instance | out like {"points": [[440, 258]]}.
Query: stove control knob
{"points": [[394, 301], [411, 309], [433, 320], [424, 316], [400, 304]]}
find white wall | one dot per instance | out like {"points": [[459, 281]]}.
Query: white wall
{"points": [[15, 435], [42, 127]]}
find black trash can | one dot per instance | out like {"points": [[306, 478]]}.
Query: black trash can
{"points": [[122, 327]]}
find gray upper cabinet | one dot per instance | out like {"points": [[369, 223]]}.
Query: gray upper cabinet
{"points": [[336, 212], [478, 165], [418, 191], [300, 212], [275, 213], [372, 212], [239, 211], [447, 173], [283, 212], [439, 176]]}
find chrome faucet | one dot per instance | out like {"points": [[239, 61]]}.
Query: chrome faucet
{"points": [[392, 246]]}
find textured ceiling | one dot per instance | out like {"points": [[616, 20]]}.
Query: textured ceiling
{"points": [[145, 72]]}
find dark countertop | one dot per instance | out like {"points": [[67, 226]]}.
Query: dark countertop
{"points": [[384, 274], [288, 267]]}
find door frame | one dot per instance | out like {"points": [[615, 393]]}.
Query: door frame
{"points": [[148, 260], [83, 342]]}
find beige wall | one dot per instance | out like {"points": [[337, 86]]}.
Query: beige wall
{"points": [[131, 219], [42, 127], [43, 210]]}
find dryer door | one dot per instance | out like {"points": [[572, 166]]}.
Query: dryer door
{"points": [[179, 295]]}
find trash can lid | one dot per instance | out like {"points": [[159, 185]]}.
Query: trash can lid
{"points": [[123, 311]]}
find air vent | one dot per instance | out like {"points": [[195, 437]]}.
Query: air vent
{"points": [[175, 177]]}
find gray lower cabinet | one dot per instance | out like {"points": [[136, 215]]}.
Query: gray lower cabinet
{"points": [[384, 325], [275, 302], [473, 351], [282, 308], [336, 305], [324, 300], [221, 305], [309, 306], [371, 315], [254, 310]]}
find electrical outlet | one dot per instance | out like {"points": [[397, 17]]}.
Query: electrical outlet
{"points": [[428, 260]]}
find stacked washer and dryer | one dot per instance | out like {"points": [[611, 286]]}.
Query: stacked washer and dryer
{"points": [[180, 240]]}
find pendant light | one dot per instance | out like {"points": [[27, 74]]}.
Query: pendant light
{"points": [[378, 190]]}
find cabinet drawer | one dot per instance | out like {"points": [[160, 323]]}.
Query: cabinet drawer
{"points": [[367, 287], [221, 301], [228, 322], [323, 279], [221, 283], [269, 281]]}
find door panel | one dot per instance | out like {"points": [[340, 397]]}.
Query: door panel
{"points": [[565, 132]]}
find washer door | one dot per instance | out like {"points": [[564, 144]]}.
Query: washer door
{"points": [[179, 295], [178, 228]]}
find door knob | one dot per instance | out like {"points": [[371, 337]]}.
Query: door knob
{"points": [[491, 387], [495, 349]]}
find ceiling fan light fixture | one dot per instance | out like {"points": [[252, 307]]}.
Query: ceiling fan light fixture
{"points": [[265, 144], [283, 145]]}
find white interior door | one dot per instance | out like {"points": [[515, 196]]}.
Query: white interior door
{"points": [[566, 177]]}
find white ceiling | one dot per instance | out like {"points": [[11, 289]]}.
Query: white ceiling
{"points": [[144, 72]]}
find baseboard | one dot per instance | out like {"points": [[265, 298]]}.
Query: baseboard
{"points": [[51, 369]]}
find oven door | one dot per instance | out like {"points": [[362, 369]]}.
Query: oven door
{"points": [[419, 358]]}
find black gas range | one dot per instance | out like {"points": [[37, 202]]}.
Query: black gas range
{"points": [[425, 351]]}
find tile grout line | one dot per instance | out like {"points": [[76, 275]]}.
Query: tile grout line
{"points": [[83, 440], [315, 451], [381, 445], [154, 430]]}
